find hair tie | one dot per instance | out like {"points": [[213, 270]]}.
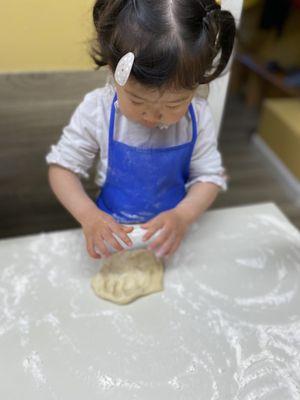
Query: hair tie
{"points": [[124, 68], [211, 8]]}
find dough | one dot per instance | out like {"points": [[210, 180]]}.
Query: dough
{"points": [[128, 275]]}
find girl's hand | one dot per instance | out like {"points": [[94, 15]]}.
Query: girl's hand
{"points": [[98, 228], [173, 226]]}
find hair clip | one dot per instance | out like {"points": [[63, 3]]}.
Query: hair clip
{"points": [[124, 68]]}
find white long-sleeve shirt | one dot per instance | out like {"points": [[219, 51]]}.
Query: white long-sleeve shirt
{"points": [[85, 139]]}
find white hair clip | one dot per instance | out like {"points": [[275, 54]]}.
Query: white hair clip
{"points": [[124, 68]]}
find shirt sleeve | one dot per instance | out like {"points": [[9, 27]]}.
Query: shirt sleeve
{"points": [[206, 163], [77, 147]]}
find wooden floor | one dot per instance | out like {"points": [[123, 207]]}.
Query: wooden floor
{"points": [[33, 110]]}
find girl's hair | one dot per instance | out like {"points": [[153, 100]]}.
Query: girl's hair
{"points": [[178, 43]]}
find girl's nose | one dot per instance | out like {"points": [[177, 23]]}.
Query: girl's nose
{"points": [[158, 114], [153, 116]]}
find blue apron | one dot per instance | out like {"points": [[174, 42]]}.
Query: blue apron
{"points": [[143, 182]]}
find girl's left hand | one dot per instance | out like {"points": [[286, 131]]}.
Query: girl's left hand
{"points": [[173, 228]]}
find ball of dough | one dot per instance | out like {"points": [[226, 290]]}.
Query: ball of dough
{"points": [[128, 275]]}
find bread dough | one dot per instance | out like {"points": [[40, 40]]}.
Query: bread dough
{"points": [[128, 275]]}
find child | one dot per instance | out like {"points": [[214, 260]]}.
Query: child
{"points": [[158, 159]]}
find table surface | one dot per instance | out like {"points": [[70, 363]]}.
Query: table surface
{"points": [[226, 326]]}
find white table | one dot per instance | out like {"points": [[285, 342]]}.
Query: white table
{"points": [[227, 325]]}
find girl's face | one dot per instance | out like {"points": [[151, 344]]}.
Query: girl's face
{"points": [[152, 107]]}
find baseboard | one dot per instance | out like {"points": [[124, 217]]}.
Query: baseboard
{"points": [[284, 174]]}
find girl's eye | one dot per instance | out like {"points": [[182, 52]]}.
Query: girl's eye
{"points": [[136, 103]]}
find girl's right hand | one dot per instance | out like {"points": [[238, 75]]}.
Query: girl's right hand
{"points": [[100, 229]]}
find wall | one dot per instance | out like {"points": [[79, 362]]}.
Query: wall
{"points": [[45, 36]]}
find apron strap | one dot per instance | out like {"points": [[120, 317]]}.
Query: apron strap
{"points": [[112, 120], [194, 123]]}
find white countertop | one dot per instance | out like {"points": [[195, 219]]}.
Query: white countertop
{"points": [[227, 325]]}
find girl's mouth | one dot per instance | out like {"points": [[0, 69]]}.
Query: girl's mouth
{"points": [[150, 124]]}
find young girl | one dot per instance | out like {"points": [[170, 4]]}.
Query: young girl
{"points": [[158, 161]]}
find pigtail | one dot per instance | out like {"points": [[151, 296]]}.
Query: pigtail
{"points": [[105, 14], [217, 36]]}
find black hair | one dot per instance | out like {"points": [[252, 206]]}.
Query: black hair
{"points": [[178, 43]]}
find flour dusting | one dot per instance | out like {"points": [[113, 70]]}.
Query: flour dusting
{"points": [[107, 382], [33, 365], [226, 326]]}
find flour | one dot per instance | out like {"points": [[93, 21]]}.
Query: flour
{"points": [[272, 299], [20, 285], [256, 263], [24, 329], [33, 365], [227, 325], [107, 382], [11, 297], [175, 384], [53, 277]]}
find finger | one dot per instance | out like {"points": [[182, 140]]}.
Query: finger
{"points": [[166, 247], [102, 247], [109, 238], [91, 249], [153, 223], [118, 230], [162, 238], [147, 224], [156, 226], [173, 248], [149, 234], [127, 229]]}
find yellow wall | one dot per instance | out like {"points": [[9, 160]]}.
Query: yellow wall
{"points": [[280, 129], [37, 35]]}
